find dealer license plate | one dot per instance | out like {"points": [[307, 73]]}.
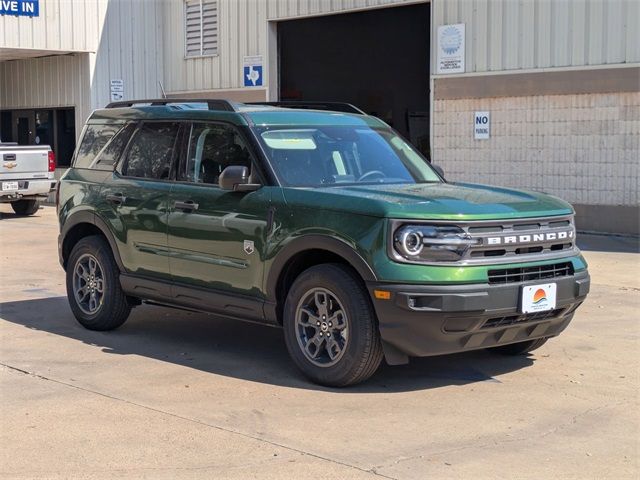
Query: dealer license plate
{"points": [[9, 186], [538, 298]]}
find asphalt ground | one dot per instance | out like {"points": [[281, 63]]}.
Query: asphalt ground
{"points": [[174, 395]]}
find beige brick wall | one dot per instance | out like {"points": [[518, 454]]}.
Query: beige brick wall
{"points": [[584, 148]]}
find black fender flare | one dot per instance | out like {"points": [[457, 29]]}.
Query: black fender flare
{"points": [[90, 217], [315, 242]]}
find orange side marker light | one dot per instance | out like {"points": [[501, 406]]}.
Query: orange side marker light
{"points": [[382, 294]]}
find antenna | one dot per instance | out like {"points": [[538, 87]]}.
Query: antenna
{"points": [[164, 94]]}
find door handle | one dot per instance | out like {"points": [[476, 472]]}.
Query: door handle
{"points": [[116, 198], [188, 206]]}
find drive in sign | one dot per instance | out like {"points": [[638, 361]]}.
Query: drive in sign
{"points": [[25, 8]]}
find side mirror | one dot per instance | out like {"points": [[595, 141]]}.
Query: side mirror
{"points": [[438, 169], [236, 178]]}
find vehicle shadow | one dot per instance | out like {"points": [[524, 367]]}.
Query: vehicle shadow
{"points": [[9, 215], [241, 350], [608, 243]]}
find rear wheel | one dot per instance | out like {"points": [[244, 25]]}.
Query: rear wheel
{"points": [[330, 327], [521, 348], [93, 287], [25, 207]]}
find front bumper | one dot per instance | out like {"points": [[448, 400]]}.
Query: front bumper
{"points": [[424, 320]]}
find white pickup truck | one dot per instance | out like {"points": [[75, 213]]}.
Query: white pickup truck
{"points": [[26, 176]]}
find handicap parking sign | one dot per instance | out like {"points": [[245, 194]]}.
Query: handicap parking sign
{"points": [[252, 72]]}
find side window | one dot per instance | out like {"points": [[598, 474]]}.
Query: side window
{"points": [[151, 151], [94, 139], [212, 148], [112, 152]]}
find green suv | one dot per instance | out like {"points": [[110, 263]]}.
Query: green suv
{"points": [[317, 218]]}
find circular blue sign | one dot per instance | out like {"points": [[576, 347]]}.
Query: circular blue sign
{"points": [[450, 40]]}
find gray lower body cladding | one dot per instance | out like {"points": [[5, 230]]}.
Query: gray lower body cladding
{"points": [[425, 320]]}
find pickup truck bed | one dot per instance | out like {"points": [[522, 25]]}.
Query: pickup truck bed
{"points": [[26, 176]]}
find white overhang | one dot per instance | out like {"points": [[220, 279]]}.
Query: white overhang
{"points": [[22, 53]]}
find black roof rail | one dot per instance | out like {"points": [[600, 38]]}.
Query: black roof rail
{"points": [[213, 104], [332, 106]]}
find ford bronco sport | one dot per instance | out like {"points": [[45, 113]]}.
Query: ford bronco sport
{"points": [[326, 223]]}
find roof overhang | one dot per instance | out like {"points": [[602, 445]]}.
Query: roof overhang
{"points": [[22, 53]]}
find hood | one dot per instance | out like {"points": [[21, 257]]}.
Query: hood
{"points": [[436, 201]]}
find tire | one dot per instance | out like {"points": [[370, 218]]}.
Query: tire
{"points": [[108, 309], [25, 207], [521, 348], [355, 351]]}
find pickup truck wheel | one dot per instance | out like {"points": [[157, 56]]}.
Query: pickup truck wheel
{"points": [[330, 327], [93, 287], [25, 207], [520, 348]]}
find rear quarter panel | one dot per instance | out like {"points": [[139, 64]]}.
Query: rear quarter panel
{"points": [[79, 191]]}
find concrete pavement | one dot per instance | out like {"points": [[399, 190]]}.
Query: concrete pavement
{"points": [[174, 394]]}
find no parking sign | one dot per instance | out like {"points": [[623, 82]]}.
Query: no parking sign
{"points": [[481, 125]]}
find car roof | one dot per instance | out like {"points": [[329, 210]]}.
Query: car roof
{"points": [[239, 114]]}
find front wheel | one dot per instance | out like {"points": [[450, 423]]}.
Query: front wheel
{"points": [[330, 327], [520, 348], [93, 287], [25, 207]]}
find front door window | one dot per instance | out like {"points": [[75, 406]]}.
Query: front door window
{"points": [[212, 148]]}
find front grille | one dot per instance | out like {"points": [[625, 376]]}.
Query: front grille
{"points": [[494, 242], [519, 238], [524, 318], [503, 276]]}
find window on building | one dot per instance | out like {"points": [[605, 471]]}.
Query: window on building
{"points": [[151, 151], [201, 27]]}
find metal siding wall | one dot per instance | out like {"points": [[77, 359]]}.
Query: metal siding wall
{"points": [[528, 34], [62, 25], [57, 81], [129, 48], [126, 36], [280, 9], [243, 31], [632, 18]]}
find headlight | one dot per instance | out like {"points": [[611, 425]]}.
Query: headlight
{"points": [[431, 243]]}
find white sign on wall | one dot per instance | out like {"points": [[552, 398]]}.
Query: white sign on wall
{"points": [[481, 125], [116, 88], [451, 48]]}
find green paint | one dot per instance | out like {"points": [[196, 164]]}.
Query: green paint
{"points": [[204, 248]]}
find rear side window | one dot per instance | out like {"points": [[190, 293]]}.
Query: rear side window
{"points": [[151, 150], [110, 154], [94, 139]]}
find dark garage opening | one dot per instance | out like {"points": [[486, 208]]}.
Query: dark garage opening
{"points": [[55, 127], [377, 60]]}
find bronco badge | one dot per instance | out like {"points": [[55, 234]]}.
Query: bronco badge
{"points": [[249, 247]]}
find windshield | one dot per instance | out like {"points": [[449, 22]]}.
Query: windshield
{"points": [[338, 155]]}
